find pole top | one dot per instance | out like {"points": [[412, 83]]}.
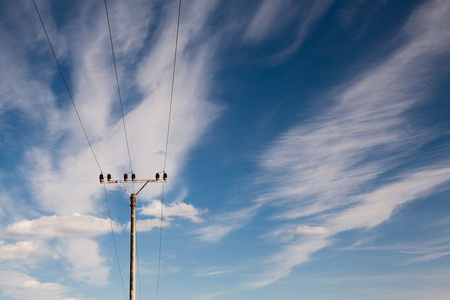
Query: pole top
{"points": [[133, 200]]}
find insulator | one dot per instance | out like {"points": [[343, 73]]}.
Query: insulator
{"points": [[125, 176], [108, 177], [133, 176], [165, 176], [102, 179], [157, 176]]}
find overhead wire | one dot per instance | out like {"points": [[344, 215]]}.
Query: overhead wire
{"points": [[114, 240], [118, 86], [124, 129], [67, 87], [87, 138], [166, 150]]}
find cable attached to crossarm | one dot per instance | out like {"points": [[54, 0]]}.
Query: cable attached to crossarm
{"points": [[67, 87], [167, 146], [87, 138], [118, 87]]}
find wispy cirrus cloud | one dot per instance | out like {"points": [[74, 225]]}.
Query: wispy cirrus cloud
{"points": [[425, 251], [222, 224], [378, 205], [268, 20], [330, 169], [212, 272], [91, 269], [428, 256], [274, 16], [292, 254]]}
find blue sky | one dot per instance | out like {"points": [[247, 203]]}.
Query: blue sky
{"points": [[307, 158]]}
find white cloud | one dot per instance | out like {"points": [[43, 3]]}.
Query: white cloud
{"points": [[174, 209], [75, 225], [22, 286], [36, 285], [312, 229], [20, 250], [81, 255], [85, 262], [149, 224]]}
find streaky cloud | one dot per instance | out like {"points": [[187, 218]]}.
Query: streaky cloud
{"points": [[223, 224], [329, 169], [273, 16]]}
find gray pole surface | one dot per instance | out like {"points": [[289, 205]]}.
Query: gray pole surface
{"points": [[132, 246]]}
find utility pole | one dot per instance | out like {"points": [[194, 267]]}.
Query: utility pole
{"points": [[133, 218]]}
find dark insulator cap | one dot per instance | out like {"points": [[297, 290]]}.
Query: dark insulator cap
{"points": [[165, 176], [108, 177], [125, 176], [133, 176], [157, 176], [101, 178]]}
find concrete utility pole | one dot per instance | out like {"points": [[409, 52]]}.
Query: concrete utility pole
{"points": [[133, 218], [132, 246]]}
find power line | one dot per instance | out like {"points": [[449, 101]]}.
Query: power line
{"points": [[173, 84], [118, 86], [114, 240], [124, 126], [85, 134], [67, 87], [167, 146]]}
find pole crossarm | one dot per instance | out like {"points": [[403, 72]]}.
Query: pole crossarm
{"points": [[134, 181]]}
